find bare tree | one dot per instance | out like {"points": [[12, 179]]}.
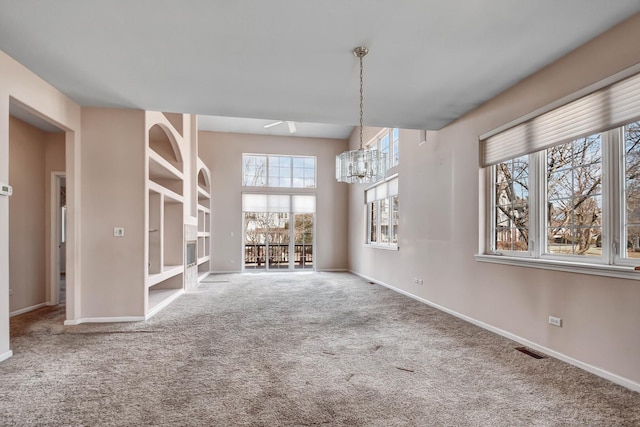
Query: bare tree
{"points": [[574, 189], [512, 205]]}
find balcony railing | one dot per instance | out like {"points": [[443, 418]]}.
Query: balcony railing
{"points": [[255, 256]]}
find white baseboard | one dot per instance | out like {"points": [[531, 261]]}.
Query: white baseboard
{"points": [[625, 382], [27, 309], [104, 320], [334, 270], [6, 355], [163, 304], [225, 271]]}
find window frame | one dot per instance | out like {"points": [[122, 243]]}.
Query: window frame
{"points": [[612, 262], [268, 177], [375, 206], [394, 146]]}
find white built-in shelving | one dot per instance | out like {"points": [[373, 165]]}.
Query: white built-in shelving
{"points": [[204, 218], [165, 211]]}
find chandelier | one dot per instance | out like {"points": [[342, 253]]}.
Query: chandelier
{"points": [[363, 165]]}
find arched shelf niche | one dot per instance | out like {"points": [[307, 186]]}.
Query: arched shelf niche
{"points": [[164, 143], [204, 180]]}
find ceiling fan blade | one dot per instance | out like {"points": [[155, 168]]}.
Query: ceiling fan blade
{"points": [[292, 127], [270, 125]]}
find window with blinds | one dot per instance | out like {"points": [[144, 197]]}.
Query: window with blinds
{"points": [[382, 214], [564, 185]]}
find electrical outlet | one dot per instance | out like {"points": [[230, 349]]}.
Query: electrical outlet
{"points": [[420, 282], [118, 232], [10, 291], [555, 321]]}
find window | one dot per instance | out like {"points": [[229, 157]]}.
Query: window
{"points": [[388, 142], [262, 170], [512, 205], [565, 186], [382, 214]]}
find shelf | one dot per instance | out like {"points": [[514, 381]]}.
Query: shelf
{"points": [[160, 298], [203, 259], [204, 234], [203, 208], [169, 196], [203, 194], [159, 168], [168, 271]]}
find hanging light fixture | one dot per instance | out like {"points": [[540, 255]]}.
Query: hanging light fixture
{"points": [[362, 165]]}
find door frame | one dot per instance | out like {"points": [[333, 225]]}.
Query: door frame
{"points": [[53, 281]]}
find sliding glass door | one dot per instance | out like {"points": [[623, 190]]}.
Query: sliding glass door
{"points": [[278, 231]]}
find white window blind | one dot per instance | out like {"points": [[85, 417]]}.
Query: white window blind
{"points": [[383, 190], [605, 109], [304, 203], [274, 203]]}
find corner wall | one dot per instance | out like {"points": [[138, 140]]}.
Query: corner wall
{"points": [[441, 220], [22, 85], [222, 153]]}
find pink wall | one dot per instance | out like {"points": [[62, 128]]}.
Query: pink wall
{"points": [[27, 252], [18, 84], [441, 220], [113, 180], [222, 153]]}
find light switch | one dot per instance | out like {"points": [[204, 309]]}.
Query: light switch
{"points": [[118, 232]]}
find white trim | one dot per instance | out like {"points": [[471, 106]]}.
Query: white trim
{"points": [[381, 246], [28, 309], [622, 272], [6, 355], [333, 270], [163, 304], [226, 271], [617, 379], [104, 320], [54, 236]]}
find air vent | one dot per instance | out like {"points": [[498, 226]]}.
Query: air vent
{"points": [[532, 353]]}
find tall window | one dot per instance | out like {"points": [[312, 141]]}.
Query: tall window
{"points": [[262, 170], [388, 142], [511, 189], [382, 214], [574, 197], [566, 185]]}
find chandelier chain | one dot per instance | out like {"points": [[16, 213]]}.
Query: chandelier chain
{"points": [[361, 100]]}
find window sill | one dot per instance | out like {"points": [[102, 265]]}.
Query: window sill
{"points": [[619, 271], [384, 247]]}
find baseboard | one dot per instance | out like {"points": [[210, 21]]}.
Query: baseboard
{"points": [[6, 355], [224, 271], [27, 309], [163, 304], [104, 320], [625, 382], [334, 270]]}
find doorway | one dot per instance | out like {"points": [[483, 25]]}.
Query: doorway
{"points": [[279, 232], [37, 212], [272, 241], [58, 252]]}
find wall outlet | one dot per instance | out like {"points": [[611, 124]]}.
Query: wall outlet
{"points": [[555, 321], [10, 292], [118, 232], [418, 281]]}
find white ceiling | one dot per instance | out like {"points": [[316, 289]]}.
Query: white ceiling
{"points": [[430, 61]]}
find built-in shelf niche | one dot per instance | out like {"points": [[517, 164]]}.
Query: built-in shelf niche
{"points": [[204, 218], [165, 184]]}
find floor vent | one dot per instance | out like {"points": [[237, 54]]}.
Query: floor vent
{"points": [[532, 353]]}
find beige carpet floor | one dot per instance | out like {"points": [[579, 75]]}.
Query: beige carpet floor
{"points": [[292, 350]]}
